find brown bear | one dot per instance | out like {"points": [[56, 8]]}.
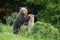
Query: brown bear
{"points": [[21, 18]]}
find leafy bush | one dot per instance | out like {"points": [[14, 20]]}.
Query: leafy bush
{"points": [[1, 27], [38, 2], [51, 14], [11, 18], [40, 31], [47, 11], [43, 31]]}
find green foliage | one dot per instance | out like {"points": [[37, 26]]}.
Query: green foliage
{"points": [[43, 1], [11, 18], [1, 29], [50, 14], [40, 31], [44, 31], [37, 1], [23, 30]]}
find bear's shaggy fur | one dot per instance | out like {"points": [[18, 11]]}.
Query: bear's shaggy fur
{"points": [[21, 18]]}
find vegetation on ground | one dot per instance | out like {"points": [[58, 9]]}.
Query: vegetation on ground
{"points": [[40, 31]]}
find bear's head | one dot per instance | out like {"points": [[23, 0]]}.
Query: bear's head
{"points": [[23, 10]]}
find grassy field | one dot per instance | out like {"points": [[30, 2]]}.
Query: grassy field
{"points": [[6, 33]]}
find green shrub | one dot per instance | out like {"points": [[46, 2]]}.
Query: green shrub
{"points": [[1, 27], [40, 31], [23, 30], [43, 31], [11, 18]]}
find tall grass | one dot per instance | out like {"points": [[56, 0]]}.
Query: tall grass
{"points": [[40, 31]]}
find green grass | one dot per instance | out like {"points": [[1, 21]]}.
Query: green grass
{"points": [[38, 32], [7, 34]]}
